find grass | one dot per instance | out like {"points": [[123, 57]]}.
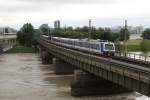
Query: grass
{"points": [[134, 42], [21, 49], [134, 45], [133, 48]]}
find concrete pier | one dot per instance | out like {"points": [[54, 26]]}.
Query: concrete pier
{"points": [[47, 58], [87, 84], [61, 67]]}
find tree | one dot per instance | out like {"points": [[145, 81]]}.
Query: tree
{"points": [[146, 34], [20, 38], [70, 28], [95, 34], [122, 34], [26, 35], [145, 45], [44, 28], [107, 34], [114, 37], [83, 32]]}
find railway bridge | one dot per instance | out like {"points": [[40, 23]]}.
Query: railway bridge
{"points": [[95, 74]]}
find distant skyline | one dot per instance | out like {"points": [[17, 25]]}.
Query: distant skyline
{"points": [[104, 13]]}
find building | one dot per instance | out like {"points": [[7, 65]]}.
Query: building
{"points": [[57, 24], [132, 30], [7, 30]]}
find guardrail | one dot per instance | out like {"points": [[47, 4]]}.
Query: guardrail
{"points": [[134, 56]]}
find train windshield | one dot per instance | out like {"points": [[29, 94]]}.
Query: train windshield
{"points": [[109, 46]]}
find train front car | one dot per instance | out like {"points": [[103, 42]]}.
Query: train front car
{"points": [[108, 48]]}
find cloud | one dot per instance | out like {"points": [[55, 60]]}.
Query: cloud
{"points": [[18, 12], [71, 1]]}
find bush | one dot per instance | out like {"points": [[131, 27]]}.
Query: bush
{"points": [[146, 34], [145, 45]]}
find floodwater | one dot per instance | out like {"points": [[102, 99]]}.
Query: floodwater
{"points": [[23, 77]]}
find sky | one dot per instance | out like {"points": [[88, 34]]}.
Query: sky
{"points": [[103, 13]]}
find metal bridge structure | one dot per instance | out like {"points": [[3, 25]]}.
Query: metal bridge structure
{"points": [[130, 72]]}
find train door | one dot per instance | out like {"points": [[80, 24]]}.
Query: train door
{"points": [[102, 47]]}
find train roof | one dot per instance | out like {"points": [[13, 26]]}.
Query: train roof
{"points": [[84, 40]]}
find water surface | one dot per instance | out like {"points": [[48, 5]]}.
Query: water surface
{"points": [[23, 77]]}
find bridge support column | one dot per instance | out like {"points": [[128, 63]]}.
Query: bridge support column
{"points": [[87, 84], [62, 67], [1, 48], [47, 58]]}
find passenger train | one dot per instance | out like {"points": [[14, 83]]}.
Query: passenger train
{"points": [[95, 46]]}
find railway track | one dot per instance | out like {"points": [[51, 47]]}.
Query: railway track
{"points": [[115, 57]]}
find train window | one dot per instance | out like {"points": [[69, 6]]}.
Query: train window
{"points": [[109, 47], [86, 44], [91, 46], [96, 46]]}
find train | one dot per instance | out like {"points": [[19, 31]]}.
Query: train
{"points": [[95, 46]]}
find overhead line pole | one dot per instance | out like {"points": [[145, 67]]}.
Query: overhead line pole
{"points": [[89, 39], [89, 29], [125, 38]]}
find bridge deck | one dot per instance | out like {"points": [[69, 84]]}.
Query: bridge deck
{"points": [[7, 37]]}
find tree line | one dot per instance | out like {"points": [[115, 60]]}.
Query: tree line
{"points": [[96, 33], [27, 34]]}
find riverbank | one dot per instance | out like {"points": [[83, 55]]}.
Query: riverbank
{"points": [[21, 49]]}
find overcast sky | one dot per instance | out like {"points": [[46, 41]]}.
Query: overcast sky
{"points": [[109, 13]]}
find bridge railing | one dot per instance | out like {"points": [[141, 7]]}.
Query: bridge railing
{"points": [[134, 56]]}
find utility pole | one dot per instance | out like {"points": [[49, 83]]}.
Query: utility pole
{"points": [[89, 38], [65, 28], [4, 31], [49, 35], [125, 39]]}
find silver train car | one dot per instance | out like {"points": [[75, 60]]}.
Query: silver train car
{"points": [[95, 46]]}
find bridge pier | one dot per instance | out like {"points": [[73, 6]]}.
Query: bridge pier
{"points": [[87, 84], [62, 67], [47, 58]]}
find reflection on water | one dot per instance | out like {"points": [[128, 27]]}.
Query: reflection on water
{"points": [[23, 77]]}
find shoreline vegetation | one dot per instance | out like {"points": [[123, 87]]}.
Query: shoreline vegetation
{"points": [[21, 49]]}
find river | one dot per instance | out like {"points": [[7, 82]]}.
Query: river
{"points": [[23, 77]]}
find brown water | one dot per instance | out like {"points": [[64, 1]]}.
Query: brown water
{"points": [[23, 77]]}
